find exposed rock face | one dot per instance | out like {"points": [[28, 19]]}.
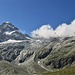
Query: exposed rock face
{"points": [[10, 51], [24, 56], [9, 31], [61, 54], [33, 55]]}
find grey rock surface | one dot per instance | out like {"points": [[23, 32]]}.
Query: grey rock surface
{"points": [[33, 56], [9, 31]]}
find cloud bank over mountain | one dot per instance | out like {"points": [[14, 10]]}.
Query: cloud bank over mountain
{"points": [[46, 31]]}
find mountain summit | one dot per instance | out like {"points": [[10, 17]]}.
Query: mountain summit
{"points": [[20, 56], [9, 31]]}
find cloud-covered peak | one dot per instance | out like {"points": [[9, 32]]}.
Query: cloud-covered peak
{"points": [[46, 31]]}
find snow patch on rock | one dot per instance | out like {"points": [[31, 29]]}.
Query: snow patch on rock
{"points": [[9, 33], [11, 41]]}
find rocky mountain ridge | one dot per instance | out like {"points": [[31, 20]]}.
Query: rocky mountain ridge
{"points": [[9, 31], [34, 56]]}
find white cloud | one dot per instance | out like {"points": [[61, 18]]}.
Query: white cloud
{"points": [[46, 31]]}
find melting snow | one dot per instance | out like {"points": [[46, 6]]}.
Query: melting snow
{"points": [[9, 33], [11, 41], [27, 37], [7, 22]]}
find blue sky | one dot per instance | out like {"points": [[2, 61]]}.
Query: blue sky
{"points": [[29, 15]]}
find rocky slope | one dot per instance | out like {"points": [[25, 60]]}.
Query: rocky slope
{"points": [[24, 56], [9, 31], [57, 55]]}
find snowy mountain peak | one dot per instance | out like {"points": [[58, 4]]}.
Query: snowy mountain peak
{"points": [[8, 22], [9, 31], [8, 25]]}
